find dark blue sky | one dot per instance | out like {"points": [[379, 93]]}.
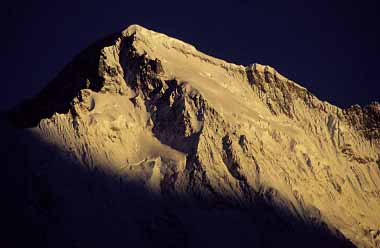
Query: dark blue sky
{"points": [[330, 47]]}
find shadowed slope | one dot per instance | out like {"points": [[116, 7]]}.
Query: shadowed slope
{"points": [[209, 141], [81, 73], [55, 202]]}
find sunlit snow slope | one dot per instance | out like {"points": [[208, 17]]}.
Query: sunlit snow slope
{"points": [[151, 110]]}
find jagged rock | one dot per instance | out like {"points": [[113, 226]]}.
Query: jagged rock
{"points": [[151, 110]]}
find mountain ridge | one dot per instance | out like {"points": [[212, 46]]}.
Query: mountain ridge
{"points": [[152, 109]]}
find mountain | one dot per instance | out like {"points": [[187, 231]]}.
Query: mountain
{"points": [[142, 140]]}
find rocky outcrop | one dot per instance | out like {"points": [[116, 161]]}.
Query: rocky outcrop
{"points": [[366, 120], [150, 110]]}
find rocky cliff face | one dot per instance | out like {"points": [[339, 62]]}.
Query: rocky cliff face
{"points": [[255, 156]]}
